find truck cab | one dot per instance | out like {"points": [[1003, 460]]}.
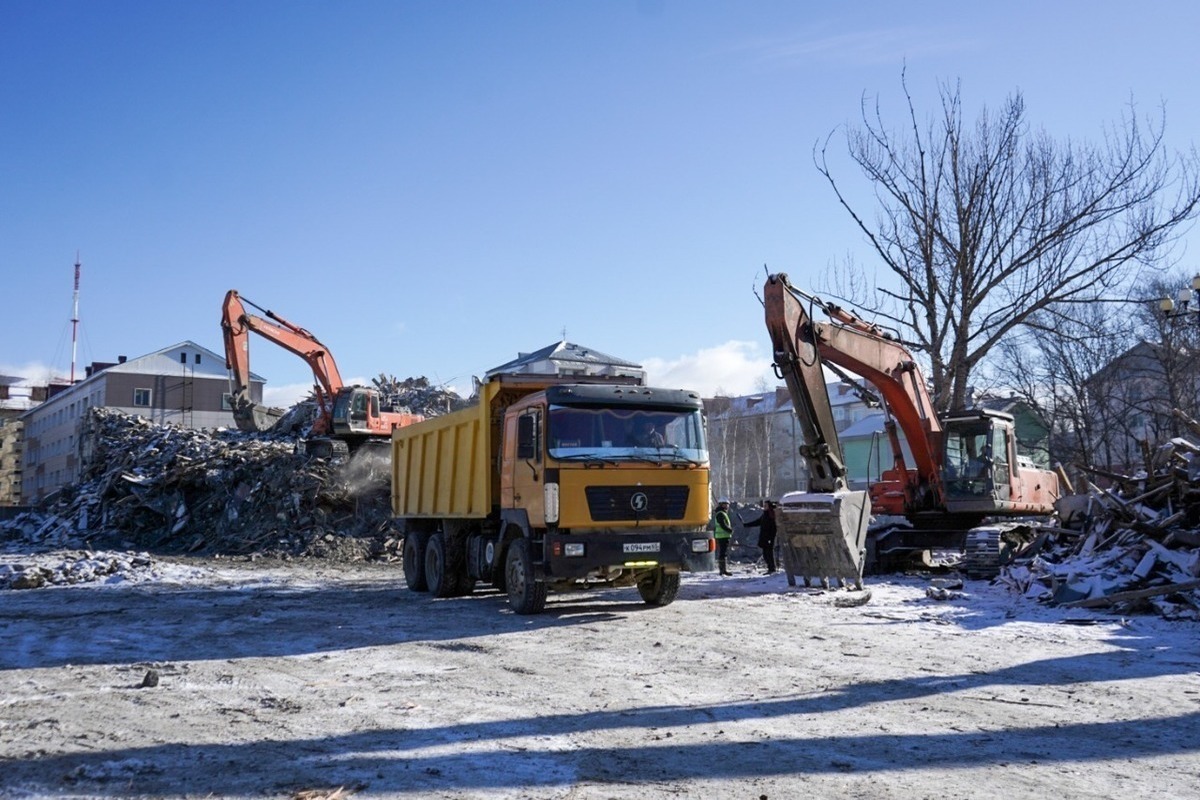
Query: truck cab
{"points": [[561, 486]]}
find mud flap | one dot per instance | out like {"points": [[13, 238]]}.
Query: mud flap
{"points": [[824, 536]]}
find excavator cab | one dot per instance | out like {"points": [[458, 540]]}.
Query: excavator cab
{"points": [[977, 460], [354, 410]]}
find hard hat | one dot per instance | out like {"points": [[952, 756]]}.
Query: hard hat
{"points": [[724, 500]]}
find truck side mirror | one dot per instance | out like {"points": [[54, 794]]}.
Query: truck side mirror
{"points": [[526, 437]]}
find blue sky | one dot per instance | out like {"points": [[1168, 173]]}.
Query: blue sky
{"points": [[433, 187]]}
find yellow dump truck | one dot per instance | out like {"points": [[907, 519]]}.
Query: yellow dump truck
{"points": [[555, 483]]}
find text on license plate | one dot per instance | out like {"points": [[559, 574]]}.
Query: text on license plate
{"points": [[642, 547]]}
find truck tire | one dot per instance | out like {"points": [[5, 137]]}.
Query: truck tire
{"points": [[525, 595], [659, 588], [441, 574], [414, 561]]}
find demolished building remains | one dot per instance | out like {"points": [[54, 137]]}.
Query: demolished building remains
{"points": [[1134, 545]]}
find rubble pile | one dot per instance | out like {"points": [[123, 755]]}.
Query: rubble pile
{"points": [[68, 568], [1132, 546], [417, 395], [411, 395], [178, 490]]}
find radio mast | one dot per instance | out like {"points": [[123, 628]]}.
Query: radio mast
{"points": [[75, 319]]}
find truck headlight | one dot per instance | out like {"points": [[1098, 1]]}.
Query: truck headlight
{"points": [[573, 549], [703, 545], [550, 494]]}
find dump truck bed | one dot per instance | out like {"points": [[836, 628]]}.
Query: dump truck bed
{"points": [[444, 467]]}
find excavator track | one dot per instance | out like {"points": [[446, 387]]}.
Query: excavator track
{"points": [[988, 548], [982, 552]]}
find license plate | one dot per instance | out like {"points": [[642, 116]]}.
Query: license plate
{"points": [[642, 547]]}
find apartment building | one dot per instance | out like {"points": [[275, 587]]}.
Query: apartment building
{"points": [[184, 384]]}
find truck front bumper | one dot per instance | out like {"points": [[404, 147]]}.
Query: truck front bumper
{"points": [[579, 555]]}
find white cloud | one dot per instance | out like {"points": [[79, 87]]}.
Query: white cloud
{"points": [[33, 372], [285, 396], [288, 395], [733, 368]]}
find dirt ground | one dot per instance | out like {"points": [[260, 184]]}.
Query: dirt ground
{"points": [[313, 679]]}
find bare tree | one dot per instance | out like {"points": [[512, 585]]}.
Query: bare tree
{"points": [[1108, 380], [1176, 371], [1058, 366], [988, 226]]}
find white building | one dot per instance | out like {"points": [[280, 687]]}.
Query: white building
{"points": [[184, 384]]}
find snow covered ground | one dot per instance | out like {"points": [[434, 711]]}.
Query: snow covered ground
{"points": [[234, 679]]}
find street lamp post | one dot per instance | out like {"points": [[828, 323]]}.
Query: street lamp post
{"points": [[1183, 302]]}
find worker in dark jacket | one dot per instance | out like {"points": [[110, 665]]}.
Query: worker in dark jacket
{"points": [[723, 530], [766, 533]]}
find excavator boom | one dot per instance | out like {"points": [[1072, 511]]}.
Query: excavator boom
{"points": [[348, 416], [237, 324]]}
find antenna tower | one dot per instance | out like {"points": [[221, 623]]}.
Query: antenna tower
{"points": [[75, 319]]}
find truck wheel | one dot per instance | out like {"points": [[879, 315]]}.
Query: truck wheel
{"points": [[659, 587], [440, 574], [525, 595], [414, 561]]}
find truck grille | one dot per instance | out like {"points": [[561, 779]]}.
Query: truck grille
{"points": [[616, 503]]}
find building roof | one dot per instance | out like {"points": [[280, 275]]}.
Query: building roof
{"points": [[770, 402], [563, 352], [17, 394], [749, 405], [167, 362], [867, 426]]}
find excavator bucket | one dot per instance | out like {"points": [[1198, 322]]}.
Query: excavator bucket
{"points": [[824, 536], [253, 417]]}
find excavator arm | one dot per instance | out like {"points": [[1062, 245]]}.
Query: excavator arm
{"points": [[867, 350], [823, 530], [237, 324], [798, 363]]}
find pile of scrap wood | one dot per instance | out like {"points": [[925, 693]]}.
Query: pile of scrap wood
{"points": [[1134, 545], [411, 395], [417, 396], [179, 490]]}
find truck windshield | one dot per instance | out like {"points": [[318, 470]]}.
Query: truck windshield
{"points": [[626, 432]]}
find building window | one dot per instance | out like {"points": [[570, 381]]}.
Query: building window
{"points": [[226, 401], [197, 360], [183, 358], [141, 397]]}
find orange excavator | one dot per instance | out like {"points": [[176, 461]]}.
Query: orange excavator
{"points": [[965, 470], [348, 417]]}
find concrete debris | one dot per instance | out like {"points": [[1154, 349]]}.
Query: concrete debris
{"points": [[416, 396], [411, 396], [34, 571], [1132, 546], [176, 490]]}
